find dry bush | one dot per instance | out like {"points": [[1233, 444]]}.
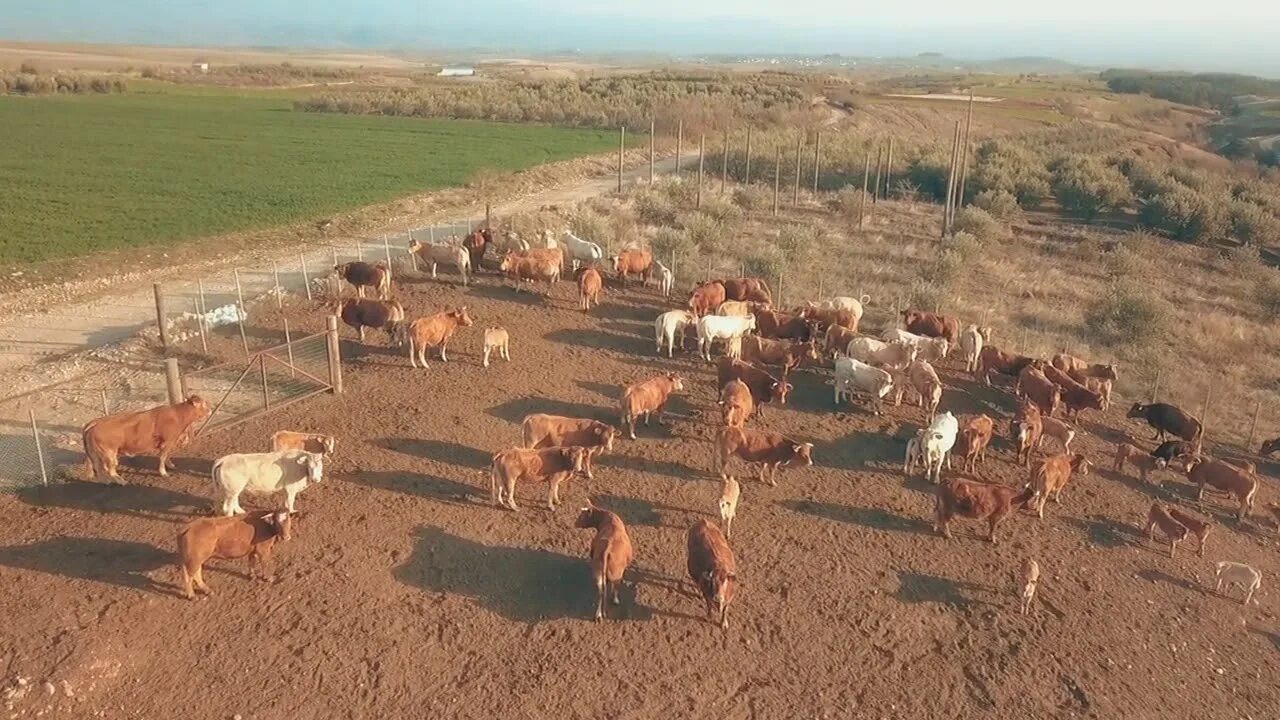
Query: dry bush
{"points": [[723, 211], [706, 233], [1252, 223], [1000, 204], [591, 225], [655, 208], [1126, 315], [980, 224], [667, 242], [1087, 188], [1184, 214], [1267, 293], [905, 190], [752, 197]]}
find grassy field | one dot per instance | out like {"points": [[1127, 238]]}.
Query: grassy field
{"points": [[83, 174]]}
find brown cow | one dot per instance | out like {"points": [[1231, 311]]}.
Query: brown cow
{"points": [[706, 298], [1051, 475], [543, 431], [736, 405], [768, 450], [932, 325], [633, 262], [1038, 389], [229, 538], [1078, 398], [610, 552], [307, 442], [782, 325], [1079, 369], [978, 501], [590, 286], [764, 387], [712, 568], [1025, 430], [1238, 482], [1158, 516], [388, 315], [747, 289], [647, 397], [428, 332], [362, 275], [837, 340], [1126, 453], [549, 465], [973, 439], [993, 359], [541, 264], [826, 318], [158, 430], [789, 355], [476, 243], [1198, 527]]}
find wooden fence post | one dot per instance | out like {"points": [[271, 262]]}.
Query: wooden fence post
{"points": [[288, 346], [888, 170], [724, 164], [622, 150], [35, 435], [777, 177], [161, 315], [359, 250], [964, 155], [275, 273], [488, 216], [951, 183], [652, 128], [679, 144], [106, 407], [875, 189], [781, 301], [173, 381], [262, 367], [240, 313], [747, 179], [306, 279], [386, 249], [817, 143], [1155, 389], [702, 153], [862, 202], [335, 357], [204, 335], [795, 195], [1204, 413], [1253, 427]]}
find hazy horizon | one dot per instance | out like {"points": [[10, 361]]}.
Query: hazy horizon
{"points": [[1087, 32]]}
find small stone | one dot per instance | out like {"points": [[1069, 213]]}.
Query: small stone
{"points": [[49, 689]]}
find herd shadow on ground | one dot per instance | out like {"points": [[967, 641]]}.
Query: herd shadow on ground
{"points": [[442, 451], [915, 587], [427, 486], [134, 499], [116, 562], [869, 517]]}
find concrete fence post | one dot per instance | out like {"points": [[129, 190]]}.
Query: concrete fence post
{"points": [[161, 314], [306, 280], [275, 272], [173, 381], [240, 313], [335, 356], [35, 436]]}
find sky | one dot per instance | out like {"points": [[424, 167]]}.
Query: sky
{"points": [[1244, 35]]}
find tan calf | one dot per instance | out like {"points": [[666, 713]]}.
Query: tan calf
{"points": [[736, 405], [972, 441], [1030, 579], [543, 431], [1158, 517], [1240, 483], [1058, 430], [712, 569], [435, 330], [1197, 526], [647, 397], [229, 538], [496, 338], [1126, 453], [1052, 474], [729, 494], [590, 287], [309, 442], [550, 465], [611, 553]]}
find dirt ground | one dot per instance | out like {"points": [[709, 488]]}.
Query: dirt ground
{"points": [[404, 593]]}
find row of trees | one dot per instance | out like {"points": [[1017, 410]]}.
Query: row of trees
{"points": [[1210, 90], [30, 83]]}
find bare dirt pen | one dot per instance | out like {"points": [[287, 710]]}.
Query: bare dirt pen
{"points": [[404, 592]]}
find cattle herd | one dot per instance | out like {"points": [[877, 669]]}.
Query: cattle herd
{"points": [[762, 348]]}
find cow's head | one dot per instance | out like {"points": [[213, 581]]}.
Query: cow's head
{"points": [[1138, 411], [588, 517], [462, 317], [985, 332], [606, 433], [199, 404], [717, 587], [779, 390], [677, 384], [314, 463], [1270, 446], [397, 333], [507, 261], [943, 347], [801, 455], [1110, 372], [615, 262], [812, 351], [328, 443], [415, 247], [281, 523]]}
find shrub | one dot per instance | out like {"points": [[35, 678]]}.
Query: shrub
{"points": [[1251, 224], [1244, 262], [798, 243], [678, 193], [1000, 204], [1183, 214], [979, 223], [1087, 188], [925, 295], [723, 211], [590, 225], [943, 270], [655, 208], [706, 233], [1119, 262], [929, 173], [752, 197], [1125, 315], [670, 240], [966, 246], [1002, 166], [764, 262], [905, 190], [1267, 291]]}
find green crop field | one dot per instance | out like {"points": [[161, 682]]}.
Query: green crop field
{"points": [[86, 173]]}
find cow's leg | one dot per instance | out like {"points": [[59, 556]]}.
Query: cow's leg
{"points": [[229, 504], [444, 347], [484, 362], [163, 462], [553, 493], [422, 356], [198, 577], [187, 581], [433, 271], [773, 475], [646, 418], [1173, 545], [360, 332], [289, 494], [506, 351], [264, 561], [601, 589], [511, 494], [662, 411], [586, 465]]}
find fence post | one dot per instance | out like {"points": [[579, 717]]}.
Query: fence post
{"points": [[262, 366], [488, 216], [622, 149], [707, 278], [724, 164], [106, 408], [161, 314], [702, 153], [777, 177], [204, 335], [964, 158], [335, 357], [862, 202], [35, 435], [747, 179], [275, 271], [359, 250], [173, 381], [679, 144], [288, 346], [1204, 413], [795, 195], [888, 169], [781, 302], [240, 313], [1155, 390], [1253, 427], [306, 280], [652, 128], [817, 143], [875, 189]]}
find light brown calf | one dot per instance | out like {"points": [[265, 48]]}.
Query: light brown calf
{"points": [[590, 287], [1197, 526], [647, 397], [736, 405], [540, 431], [1025, 430], [1240, 483], [1030, 579], [1058, 430], [973, 439], [229, 538], [435, 330], [310, 442], [496, 338], [549, 465], [1158, 517], [611, 553], [1052, 474], [712, 568], [1126, 453]]}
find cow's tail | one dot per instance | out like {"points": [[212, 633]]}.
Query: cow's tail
{"points": [[215, 473], [90, 473], [526, 434], [384, 282], [493, 480], [1198, 439]]}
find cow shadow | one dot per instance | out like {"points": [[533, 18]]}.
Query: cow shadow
{"points": [[859, 451], [1262, 632], [503, 292], [1162, 492], [611, 391], [514, 411], [627, 329], [1108, 532], [133, 500], [871, 518], [640, 512], [114, 562], [914, 588], [427, 486], [1159, 576], [442, 451], [648, 465], [596, 340], [520, 584]]}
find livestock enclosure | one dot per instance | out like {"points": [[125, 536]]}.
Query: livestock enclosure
{"points": [[405, 592]]}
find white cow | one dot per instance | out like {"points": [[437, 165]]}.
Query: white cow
{"points": [[856, 376], [265, 473], [931, 349], [548, 241], [670, 324], [666, 278], [729, 329], [442, 254], [971, 342], [853, 305], [1234, 573], [581, 251], [509, 241], [880, 353], [939, 438]]}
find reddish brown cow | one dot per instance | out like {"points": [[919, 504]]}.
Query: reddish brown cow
{"points": [[1240, 483], [229, 538], [476, 243], [309, 442], [712, 568], [647, 397], [362, 275], [764, 387], [1025, 430], [435, 330], [747, 289], [932, 325], [1126, 453], [789, 355], [1198, 527], [826, 318], [973, 439], [1078, 398], [837, 340], [782, 325], [1159, 517], [388, 315], [1051, 475], [768, 450], [633, 262], [978, 501], [543, 431], [993, 359], [706, 298], [590, 286], [1037, 388], [541, 265], [736, 405], [549, 465], [158, 430], [610, 552]]}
